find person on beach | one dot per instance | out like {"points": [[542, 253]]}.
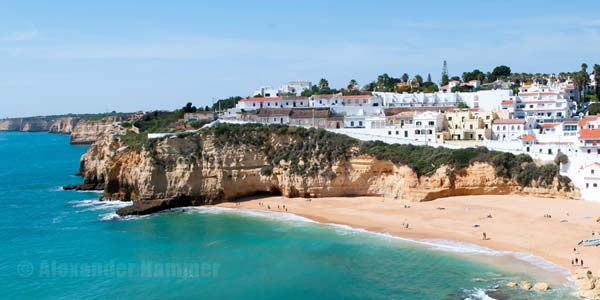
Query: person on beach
{"points": [[576, 260], [269, 206], [581, 263], [484, 236], [572, 262]]}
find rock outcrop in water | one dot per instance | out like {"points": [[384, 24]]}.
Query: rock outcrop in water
{"points": [[206, 168]]}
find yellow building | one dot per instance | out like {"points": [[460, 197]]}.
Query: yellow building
{"points": [[469, 125]]}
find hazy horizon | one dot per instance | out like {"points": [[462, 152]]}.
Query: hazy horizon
{"points": [[73, 57]]}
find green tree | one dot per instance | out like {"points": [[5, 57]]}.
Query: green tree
{"points": [[352, 84], [405, 78], [428, 77], [597, 80], [419, 79], [188, 108], [473, 75], [500, 72], [445, 77], [323, 83]]}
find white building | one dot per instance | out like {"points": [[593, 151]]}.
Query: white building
{"points": [[545, 103], [483, 100], [295, 87], [508, 129], [589, 135], [272, 102], [292, 87], [265, 91], [360, 117], [590, 177], [349, 100]]}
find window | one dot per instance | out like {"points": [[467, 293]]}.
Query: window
{"points": [[431, 123], [397, 132], [405, 134], [512, 127], [595, 185], [360, 124], [503, 127], [389, 132], [352, 123], [449, 118], [592, 171], [587, 185]]}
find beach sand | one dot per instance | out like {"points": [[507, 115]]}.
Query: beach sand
{"points": [[517, 223]]}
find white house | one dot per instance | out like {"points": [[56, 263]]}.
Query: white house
{"points": [[272, 102], [508, 129], [482, 100], [265, 91], [589, 135], [545, 103], [590, 187]]}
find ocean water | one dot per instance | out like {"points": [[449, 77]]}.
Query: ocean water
{"points": [[59, 244]]}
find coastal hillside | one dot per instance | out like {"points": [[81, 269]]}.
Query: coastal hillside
{"points": [[83, 129], [226, 162]]}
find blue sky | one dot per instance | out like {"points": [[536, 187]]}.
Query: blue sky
{"points": [[84, 56]]}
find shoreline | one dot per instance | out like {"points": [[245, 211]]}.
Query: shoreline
{"points": [[513, 228]]}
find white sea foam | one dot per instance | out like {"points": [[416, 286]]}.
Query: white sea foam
{"points": [[272, 215], [95, 204], [113, 216], [432, 244], [478, 294]]}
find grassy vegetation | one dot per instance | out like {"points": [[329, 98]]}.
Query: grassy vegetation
{"points": [[313, 152], [159, 121]]}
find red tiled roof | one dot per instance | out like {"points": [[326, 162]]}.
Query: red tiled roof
{"points": [[583, 121], [302, 113], [589, 133], [549, 125], [261, 99], [356, 96], [324, 96], [509, 121], [507, 102], [528, 137]]}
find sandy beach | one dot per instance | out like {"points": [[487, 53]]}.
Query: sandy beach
{"points": [[511, 223]]}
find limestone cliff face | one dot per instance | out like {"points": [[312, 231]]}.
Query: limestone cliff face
{"points": [[88, 131], [25, 124], [197, 170], [63, 125], [10, 124]]}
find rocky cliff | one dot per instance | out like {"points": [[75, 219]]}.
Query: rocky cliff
{"points": [[25, 124], [82, 131], [212, 166], [63, 125], [88, 131]]}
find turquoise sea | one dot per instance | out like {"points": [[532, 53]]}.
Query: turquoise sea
{"points": [[67, 245]]}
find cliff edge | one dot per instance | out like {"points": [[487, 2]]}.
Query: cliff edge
{"points": [[227, 162]]}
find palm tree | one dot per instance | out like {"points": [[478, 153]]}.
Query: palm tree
{"points": [[405, 78], [352, 84], [597, 80], [419, 79], [323, 83]]}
